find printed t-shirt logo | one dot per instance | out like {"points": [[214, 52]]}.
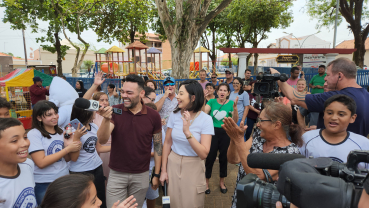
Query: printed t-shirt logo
{"points": [[55, 147], [26, 199], [90, 144], [219, 115]]}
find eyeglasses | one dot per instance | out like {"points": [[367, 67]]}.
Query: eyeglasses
{"points": [[169, 84], [213, 77], [152, 99], [258, 120], [236, 83]]}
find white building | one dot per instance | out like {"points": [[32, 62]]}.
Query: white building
{"points": [[288, 41], [48, 58]]}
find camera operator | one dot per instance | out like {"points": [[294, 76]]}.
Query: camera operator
{"points": [[270, 136], [341, 76]]}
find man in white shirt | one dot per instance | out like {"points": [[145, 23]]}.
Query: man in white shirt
{"points": [[167, 102]]}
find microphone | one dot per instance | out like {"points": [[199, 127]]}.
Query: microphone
{"points": [[270, 160], [92, 105]]}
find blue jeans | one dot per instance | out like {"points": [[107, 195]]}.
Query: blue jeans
{"points": [[239, 121], [250, 126], [40, 190]]}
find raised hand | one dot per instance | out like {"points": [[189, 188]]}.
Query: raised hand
{"points": [[235, 104], [80, 131], [186, 122], [206, 93], [236, 133], [99, 78], [128, 203], [106, 112], [167, 92]]}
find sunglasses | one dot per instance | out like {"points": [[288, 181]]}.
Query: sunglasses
{"points": [[152, 99], [228, 73], [214, 77], [169, 84]]}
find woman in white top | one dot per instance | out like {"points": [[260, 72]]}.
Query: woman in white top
{"points": [[189, 137], [47, 147], [87, 159]]}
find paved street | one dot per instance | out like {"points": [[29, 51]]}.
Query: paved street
{"points": [[216, 199]]}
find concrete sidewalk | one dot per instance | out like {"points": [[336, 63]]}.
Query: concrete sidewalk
{"points": [[216, 199]]}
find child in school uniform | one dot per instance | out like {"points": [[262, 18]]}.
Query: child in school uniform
{"points": [[47, 147], [87, 160], [16, 171]]}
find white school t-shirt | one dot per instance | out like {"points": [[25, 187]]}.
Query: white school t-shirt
{"points": [[88, 158], [18, 191], [49, 146], [315, 145], [203, 124]]}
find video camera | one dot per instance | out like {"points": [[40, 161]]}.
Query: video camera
{"points": [[268, 87], [305, 182]]}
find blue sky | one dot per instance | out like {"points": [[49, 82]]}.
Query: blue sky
{"points": [[11, 40]]}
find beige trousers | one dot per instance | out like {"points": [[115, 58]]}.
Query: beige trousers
{"points": [[187, 184], [122, 185]]}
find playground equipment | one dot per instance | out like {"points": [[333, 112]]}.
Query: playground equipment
{"points": [[153, 72], [114, 65], [196, 66], [137, 45]]}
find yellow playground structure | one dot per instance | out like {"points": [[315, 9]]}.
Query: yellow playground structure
{"points": [[114, 66]]}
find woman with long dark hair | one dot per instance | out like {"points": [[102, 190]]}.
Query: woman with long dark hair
{"points": [[187, 144], [219, 109], [47, 147]]}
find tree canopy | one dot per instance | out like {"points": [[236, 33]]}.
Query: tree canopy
{"points": [[354, 12]]}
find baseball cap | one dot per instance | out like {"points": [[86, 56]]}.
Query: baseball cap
{"points": [[37, 79], [169, 79], [230, 70]]}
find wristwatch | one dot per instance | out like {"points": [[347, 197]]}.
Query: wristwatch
{"points": [[156, 175], [189, 137]]}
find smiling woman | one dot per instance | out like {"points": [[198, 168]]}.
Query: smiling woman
{"points": [[187, 144], [219, 109]]}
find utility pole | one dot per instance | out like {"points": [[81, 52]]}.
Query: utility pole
{"points": [[335, 24], [25, 50]]}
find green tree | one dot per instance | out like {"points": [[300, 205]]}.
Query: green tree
{"points": [[76, 16], [185, 28], [121, 20], [252, 20], [354, 12], [87, 64], [21, 13], [226, 61]]}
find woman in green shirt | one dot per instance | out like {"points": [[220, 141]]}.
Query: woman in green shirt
{"points": [[219, 108]]}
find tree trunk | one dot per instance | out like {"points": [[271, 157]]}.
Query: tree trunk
{"points": [[248, 62], [229, 60], [132, 36], [256, 55], [58, 53], [358, 55], [181, 61]]}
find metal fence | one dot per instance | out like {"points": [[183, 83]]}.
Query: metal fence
{"points": [[362, 79]]}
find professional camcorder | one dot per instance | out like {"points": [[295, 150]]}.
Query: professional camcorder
{"points": [[268, 87], [304, 182]]}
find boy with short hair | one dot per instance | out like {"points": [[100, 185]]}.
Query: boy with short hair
{"points": [[5, 106], [335, 141], [16, 171]]}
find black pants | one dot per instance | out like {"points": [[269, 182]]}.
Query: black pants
{"points": [[220, 141], [99, 182]]}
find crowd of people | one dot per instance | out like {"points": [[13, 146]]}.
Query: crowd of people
{"points": [[173, 139]]}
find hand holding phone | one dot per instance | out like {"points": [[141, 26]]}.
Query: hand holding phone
{"points": [[75, 123]]}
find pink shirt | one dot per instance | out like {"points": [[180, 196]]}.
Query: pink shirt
{"points": [[292, 83], [203, 84]]}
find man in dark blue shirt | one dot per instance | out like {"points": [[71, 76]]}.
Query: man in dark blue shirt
{"points": [[341, 79]]}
